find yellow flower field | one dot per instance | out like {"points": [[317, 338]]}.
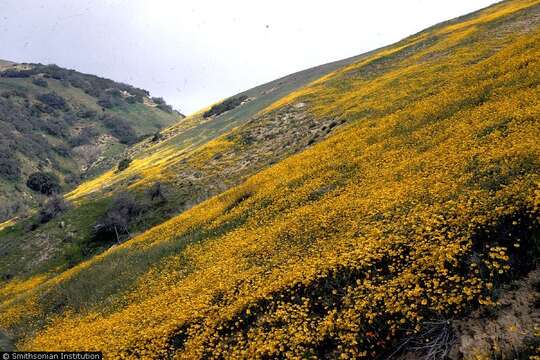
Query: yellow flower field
{"points": [[422, 206]]}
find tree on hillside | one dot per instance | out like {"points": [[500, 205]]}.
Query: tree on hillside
{"points": [[40, 82], [44, 183], [53, 100], [114, 225], [52, 208], [123, 164]]}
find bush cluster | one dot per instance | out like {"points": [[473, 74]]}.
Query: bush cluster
{"points": [[40, 82], [226, 105], [52, 208], [115, 224], [123, 164], [10, 167], [85, 137], [53, 100], [120, 128], [44, 183]]}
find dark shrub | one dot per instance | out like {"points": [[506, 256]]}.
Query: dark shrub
{"points": [[92, 92], [138, 98], [53, 100], [85, 137], [10, 168], [90, 84], [165, 107], [52, 208], [56, 127], [45, 183], [162, 105], [226, 105], [14, 93], [114, 225], [114, 92], [87, 113], [62, 151], [120, 128], [72, 179], [14, 73], [70, 118], [54, 71], [40, 82], [157, 193], [144, 137], [110, 99], [157, 137], [123, 164], [38, 109], [158, 100], [79, 82], [105, 102]]}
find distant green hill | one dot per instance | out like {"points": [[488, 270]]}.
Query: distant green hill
{"points": [[59, 121]]}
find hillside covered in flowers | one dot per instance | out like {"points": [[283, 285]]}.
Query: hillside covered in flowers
{"points": [[418, 211]]}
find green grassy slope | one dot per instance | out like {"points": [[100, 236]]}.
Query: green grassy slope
{"points": [[70, 138], [408, 214]]}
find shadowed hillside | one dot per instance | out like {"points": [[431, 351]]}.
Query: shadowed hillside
{"points": [[388, 209]]}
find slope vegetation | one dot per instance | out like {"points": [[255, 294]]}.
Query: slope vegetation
{"points": [[198, 130], [372, 242], [62, 122]]}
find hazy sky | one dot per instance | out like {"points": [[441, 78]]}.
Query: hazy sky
{"points": [[196, 52]]}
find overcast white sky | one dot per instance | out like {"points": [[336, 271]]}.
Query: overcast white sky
{"points": [[196, 52]]}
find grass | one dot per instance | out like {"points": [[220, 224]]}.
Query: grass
{"points": [[147, 120]]}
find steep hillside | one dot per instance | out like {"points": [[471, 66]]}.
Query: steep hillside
{"points": [[59, 121], [390, 208], [184, 160]]}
